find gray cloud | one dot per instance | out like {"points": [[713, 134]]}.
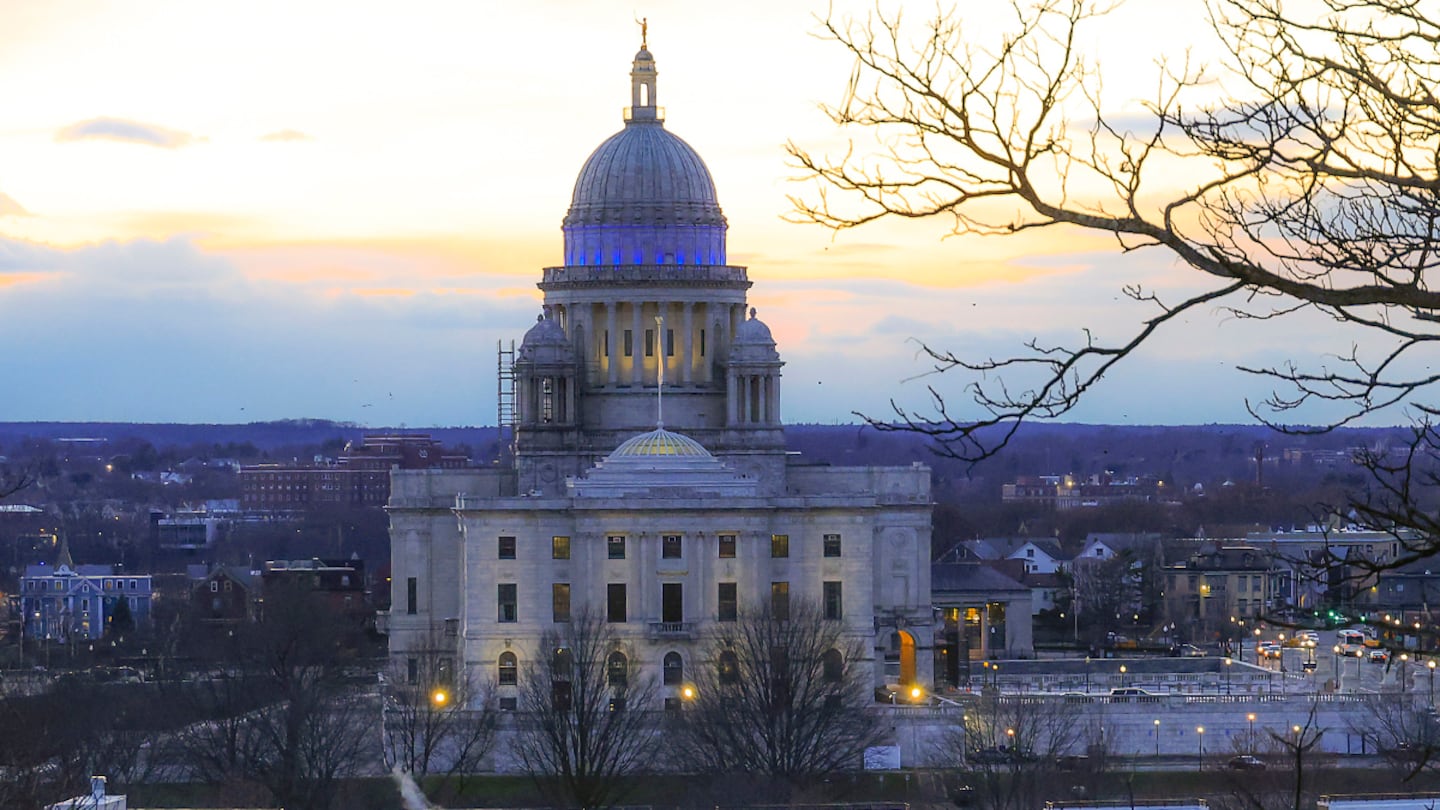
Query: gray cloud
{"points": [[286, 135], [118, 129]]}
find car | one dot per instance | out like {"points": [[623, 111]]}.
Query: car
{"points": [[1269, 649], [1191, 651], [998, 755], [1308, 666], [1245, 762], [1131, 693], [1379, 656]]}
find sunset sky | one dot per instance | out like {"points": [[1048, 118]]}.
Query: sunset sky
{"points": [[234, 211]]}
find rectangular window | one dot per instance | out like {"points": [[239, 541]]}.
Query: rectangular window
{"points": [[412, 600], [670, 547], [832, 545], [702, 342], [779, 545], [669, 342], [834, 607], [780, 601], [672, 602], [412, 670], [559, 547], [507, 548], [629, 338], [649, 342], [615, 603], [727, 546], [615, 546], [508, 610], [728, 602], [560, 601], [605, 347]]}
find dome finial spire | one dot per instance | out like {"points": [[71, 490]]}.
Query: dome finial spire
{"points": [[642, 81]]}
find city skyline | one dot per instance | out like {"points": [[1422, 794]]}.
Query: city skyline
{"points": [[228, 213]]}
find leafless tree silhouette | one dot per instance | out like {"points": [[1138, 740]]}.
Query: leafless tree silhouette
{"points": [[1313, 189], [788, 698], [587, 717], [442, 722]]}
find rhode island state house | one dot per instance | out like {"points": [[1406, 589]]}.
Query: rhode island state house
{"points": [[650, 481]]}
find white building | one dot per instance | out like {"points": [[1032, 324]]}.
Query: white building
{"points": [[665, 529]]}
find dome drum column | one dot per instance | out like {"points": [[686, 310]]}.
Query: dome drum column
{"points": [[612, 354], [637, 359], [687, 348]]}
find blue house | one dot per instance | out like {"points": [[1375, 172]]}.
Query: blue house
{"points": [[69, 602]]}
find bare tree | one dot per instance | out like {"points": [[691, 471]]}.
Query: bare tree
{"points": [[1011, 745], [440, 721], [1313, 190], [587, 716], [1289, 784], [72, 731], [279, 712], [1399, 728], [784, 697]]}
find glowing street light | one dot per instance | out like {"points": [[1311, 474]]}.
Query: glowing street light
{"points": [[1251, 717], [1157, 738], [1200, 735], [439, 698]]}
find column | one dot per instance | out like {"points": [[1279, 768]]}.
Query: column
{"points": [[662, 359], [637, 343], [731, 384], [765, 399], [774, 406], [687, 355], [612, 351]]}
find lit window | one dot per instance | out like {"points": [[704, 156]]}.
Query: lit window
{"points": [[560, 547], [727, 546], [779, 545]]}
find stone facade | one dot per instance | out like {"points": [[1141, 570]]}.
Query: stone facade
{"points": [[665, 532]]}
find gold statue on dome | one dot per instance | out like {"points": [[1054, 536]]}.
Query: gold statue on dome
{"points": [[644, 23]]}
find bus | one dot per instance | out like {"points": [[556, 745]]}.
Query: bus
{"points": [[1352, 642]]}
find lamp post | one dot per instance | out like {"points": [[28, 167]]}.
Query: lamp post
{"points": [[1200, 735], [1122, 676], [1257, 646], [1157, 738], [1228, 662], [1404, 670], [1335, 665], [1431, 666], [1251, 717]]}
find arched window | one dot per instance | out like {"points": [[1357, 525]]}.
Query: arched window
{"points": [[832, 665], [509, 669], [729, 667], [674, 669], [617, 669]]}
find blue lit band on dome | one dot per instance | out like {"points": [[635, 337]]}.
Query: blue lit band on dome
{"points": [[644, 197]]}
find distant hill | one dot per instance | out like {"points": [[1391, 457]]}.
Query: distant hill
{"points": [[1182, 454]]}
